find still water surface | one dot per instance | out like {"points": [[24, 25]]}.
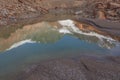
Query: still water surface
{"points": [[49, 40]]}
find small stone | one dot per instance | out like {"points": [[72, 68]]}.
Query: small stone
{"points": [[31, 9], [118, 11], [101, 15], [78, 12], [112, 13]]}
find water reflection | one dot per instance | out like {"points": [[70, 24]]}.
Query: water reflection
{"points": [[41, 32], [49, 40], [51, 32], [86, 34]]}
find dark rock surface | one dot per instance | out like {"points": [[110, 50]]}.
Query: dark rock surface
{"points": [[82, 68]]}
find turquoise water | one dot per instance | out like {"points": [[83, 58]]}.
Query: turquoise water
{"points": [[49, 43]]}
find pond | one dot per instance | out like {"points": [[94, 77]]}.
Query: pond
{"points": [[50, 40]]}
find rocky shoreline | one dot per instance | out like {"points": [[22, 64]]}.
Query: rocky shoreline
{"points": [[80, 68], [18, 10]]}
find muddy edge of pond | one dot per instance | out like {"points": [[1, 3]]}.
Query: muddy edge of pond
{"points": [[12, 11], [80, 68]]}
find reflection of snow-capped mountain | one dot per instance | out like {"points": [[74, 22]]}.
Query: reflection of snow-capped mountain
{"points": [[20, 43], [50, 32], [39, 32], [72, 28], [69, 26]]}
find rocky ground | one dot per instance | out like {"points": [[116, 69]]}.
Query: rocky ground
{"points": [[81, 68], [12, 11]]}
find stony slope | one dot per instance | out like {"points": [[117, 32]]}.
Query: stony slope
{"points": [[14, 10]]}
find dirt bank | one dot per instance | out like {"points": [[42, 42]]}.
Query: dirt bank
{"points": [[13, 10]]}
